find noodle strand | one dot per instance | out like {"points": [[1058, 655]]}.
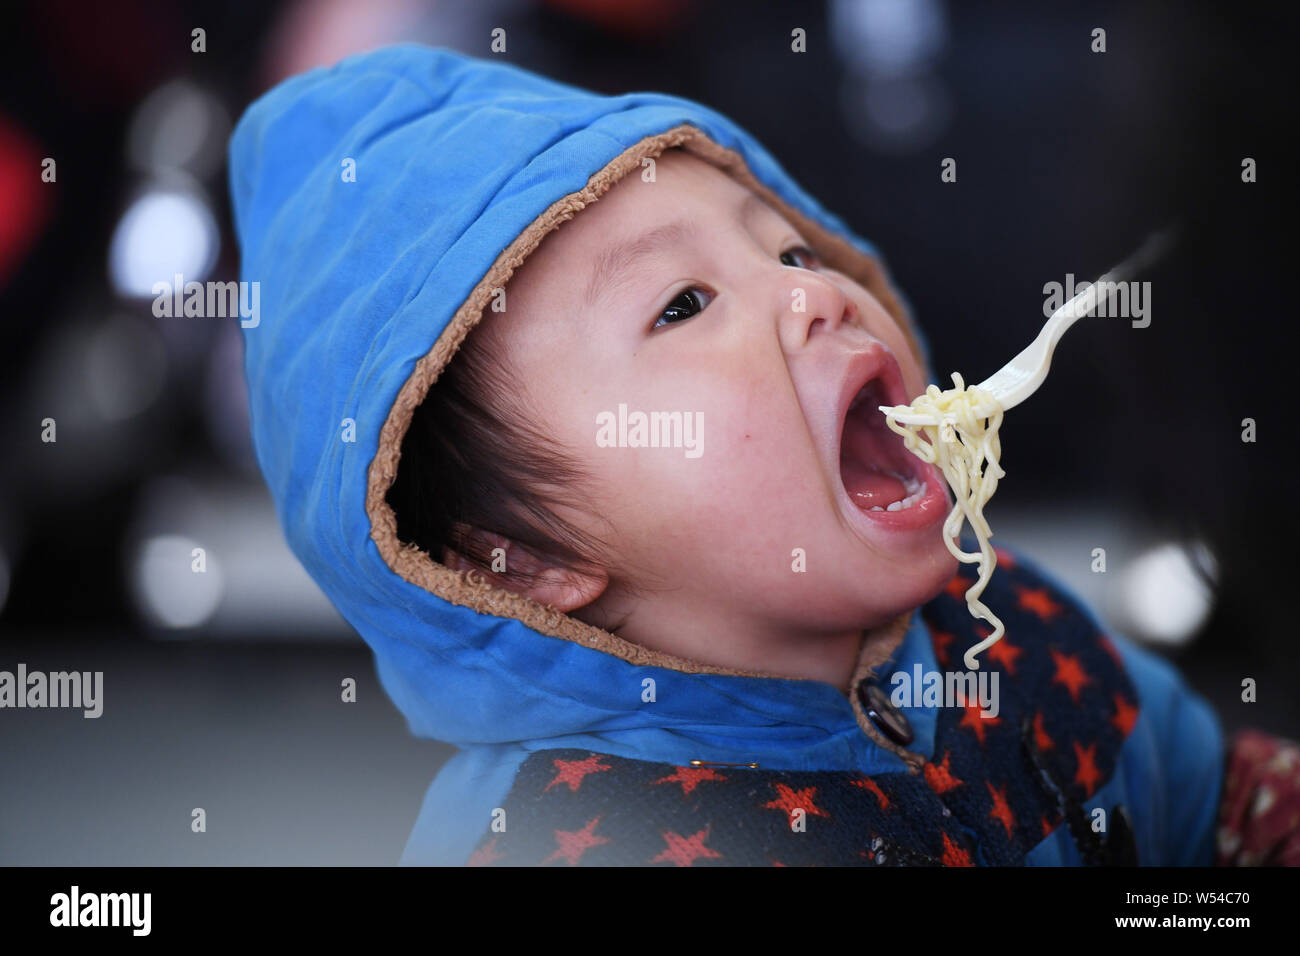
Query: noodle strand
{"points": [[965, 447]]}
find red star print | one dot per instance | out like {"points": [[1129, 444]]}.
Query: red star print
{"points": [[691, 777], [684, 851], [1126, 715], [941, 640], [1041, 739], [1047, 828], [1005, 559], [975, 722], [1070, 673], [940, 778], [788, 800], [572, 844], [573, 771], [866, 783], [1039, 602], [1001, 809], [1087, 775], [486, 855], [1003, 653], [954, 855], [958, 587]]}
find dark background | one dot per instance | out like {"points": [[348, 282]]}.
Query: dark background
{"points": [[228, 698]]}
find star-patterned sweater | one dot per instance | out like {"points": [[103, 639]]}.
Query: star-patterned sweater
{"points": [[1096, 755]]}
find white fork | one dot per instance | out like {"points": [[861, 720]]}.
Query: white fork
{"points": [[1021, 377]]}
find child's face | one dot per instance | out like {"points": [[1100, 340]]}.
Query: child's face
{"points": [[718, 533]]}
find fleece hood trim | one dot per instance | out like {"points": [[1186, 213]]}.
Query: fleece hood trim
{"points": [[470, 589]]}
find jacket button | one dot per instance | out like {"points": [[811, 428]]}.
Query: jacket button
{"points": [[887, 718]]}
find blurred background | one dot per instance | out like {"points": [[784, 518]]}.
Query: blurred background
{"points": [[222, 689]]}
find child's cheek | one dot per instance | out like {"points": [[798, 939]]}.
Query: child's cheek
{"points": [[885, 327], [913, 375]]}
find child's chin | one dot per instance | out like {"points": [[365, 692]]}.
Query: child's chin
{"points": [[937, 565], [922, 575]]}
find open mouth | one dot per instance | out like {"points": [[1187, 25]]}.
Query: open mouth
{"points": [[878, 471]]}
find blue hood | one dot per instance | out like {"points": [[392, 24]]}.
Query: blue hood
{"points": [[377, 203]]}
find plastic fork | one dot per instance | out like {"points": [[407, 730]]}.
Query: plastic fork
{"points": [[1021, 377]]}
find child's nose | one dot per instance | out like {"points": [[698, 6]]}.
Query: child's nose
{"points": [[812, 305]]}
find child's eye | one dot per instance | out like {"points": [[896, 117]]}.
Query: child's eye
{"points": [[683, 307], [813, 261]]}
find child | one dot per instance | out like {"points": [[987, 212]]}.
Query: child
{"points": [[627, 545]]}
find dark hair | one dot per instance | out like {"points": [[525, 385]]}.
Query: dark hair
{"points": [[471, 459]]}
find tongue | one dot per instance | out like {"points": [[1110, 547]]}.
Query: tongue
{"points": [[868, 487]]}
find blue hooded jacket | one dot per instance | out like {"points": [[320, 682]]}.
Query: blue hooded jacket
{"points": [[379, 203]]}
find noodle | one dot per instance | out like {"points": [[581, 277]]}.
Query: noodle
{"points": [[966, 448]]}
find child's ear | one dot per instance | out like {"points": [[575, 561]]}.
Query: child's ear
{"points": [[517, 569]]}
